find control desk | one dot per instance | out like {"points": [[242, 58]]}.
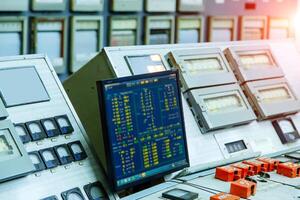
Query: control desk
{"points": [[240, 104], [44, 149]]}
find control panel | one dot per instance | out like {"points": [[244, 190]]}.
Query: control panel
{"points": [[223, 105], [42, 142]]}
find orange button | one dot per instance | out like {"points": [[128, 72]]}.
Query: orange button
{"points": [[289, 169], [224, 196], [272, 163], [247, 170], [258, 165], [243, 188], [228, 173]]}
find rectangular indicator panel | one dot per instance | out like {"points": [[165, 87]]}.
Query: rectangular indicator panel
{"points": [[8, 147], [145, 64], [86, 43], [11, 44], [257, 60], [195, 66], [188, 36], [145, 129], [21, 86], [274, 94], [236, 146], [123, 38], [160, 36], [50, 43], [226, 103]]}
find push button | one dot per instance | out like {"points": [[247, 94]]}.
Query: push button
{"points": [[74, 193], [23, 133], [37, 161], [95, 191], [224, 196], [50, 127], [49, 158], [36, 130], [77, 150], [64, 124], [289, 169], [50, 198], [243, 188], [228, 173], [63, 153]]}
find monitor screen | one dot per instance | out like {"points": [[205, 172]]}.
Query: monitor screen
{"points": [[143, 127], [20, 86], [143, 64]]}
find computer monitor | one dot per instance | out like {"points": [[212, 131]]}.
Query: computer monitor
{"points": [[143, 128]]}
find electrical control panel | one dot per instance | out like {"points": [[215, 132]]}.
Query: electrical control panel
{"points": [[124, 31], [49, 35], [201, 67], [189, 29], [222, 28], [46, 5], [225, 112], [14, 5], [127, 5], [160, 6], [42, 141], [13, 35], [87, 5], [191, 5], [253, 28], [253, 62], [160, 30], [86, 39]]}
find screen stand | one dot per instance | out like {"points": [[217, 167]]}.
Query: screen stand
{"points": [[139, 188]]}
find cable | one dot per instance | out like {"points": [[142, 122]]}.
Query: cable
{"points": [[265, 176]]}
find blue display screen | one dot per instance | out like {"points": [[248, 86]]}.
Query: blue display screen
{"points": [[145, 128]]}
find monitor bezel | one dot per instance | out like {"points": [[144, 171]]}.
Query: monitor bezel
{"points": [[107, 143]]}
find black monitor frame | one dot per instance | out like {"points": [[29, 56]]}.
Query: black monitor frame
{"points": [[107, 143]]}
